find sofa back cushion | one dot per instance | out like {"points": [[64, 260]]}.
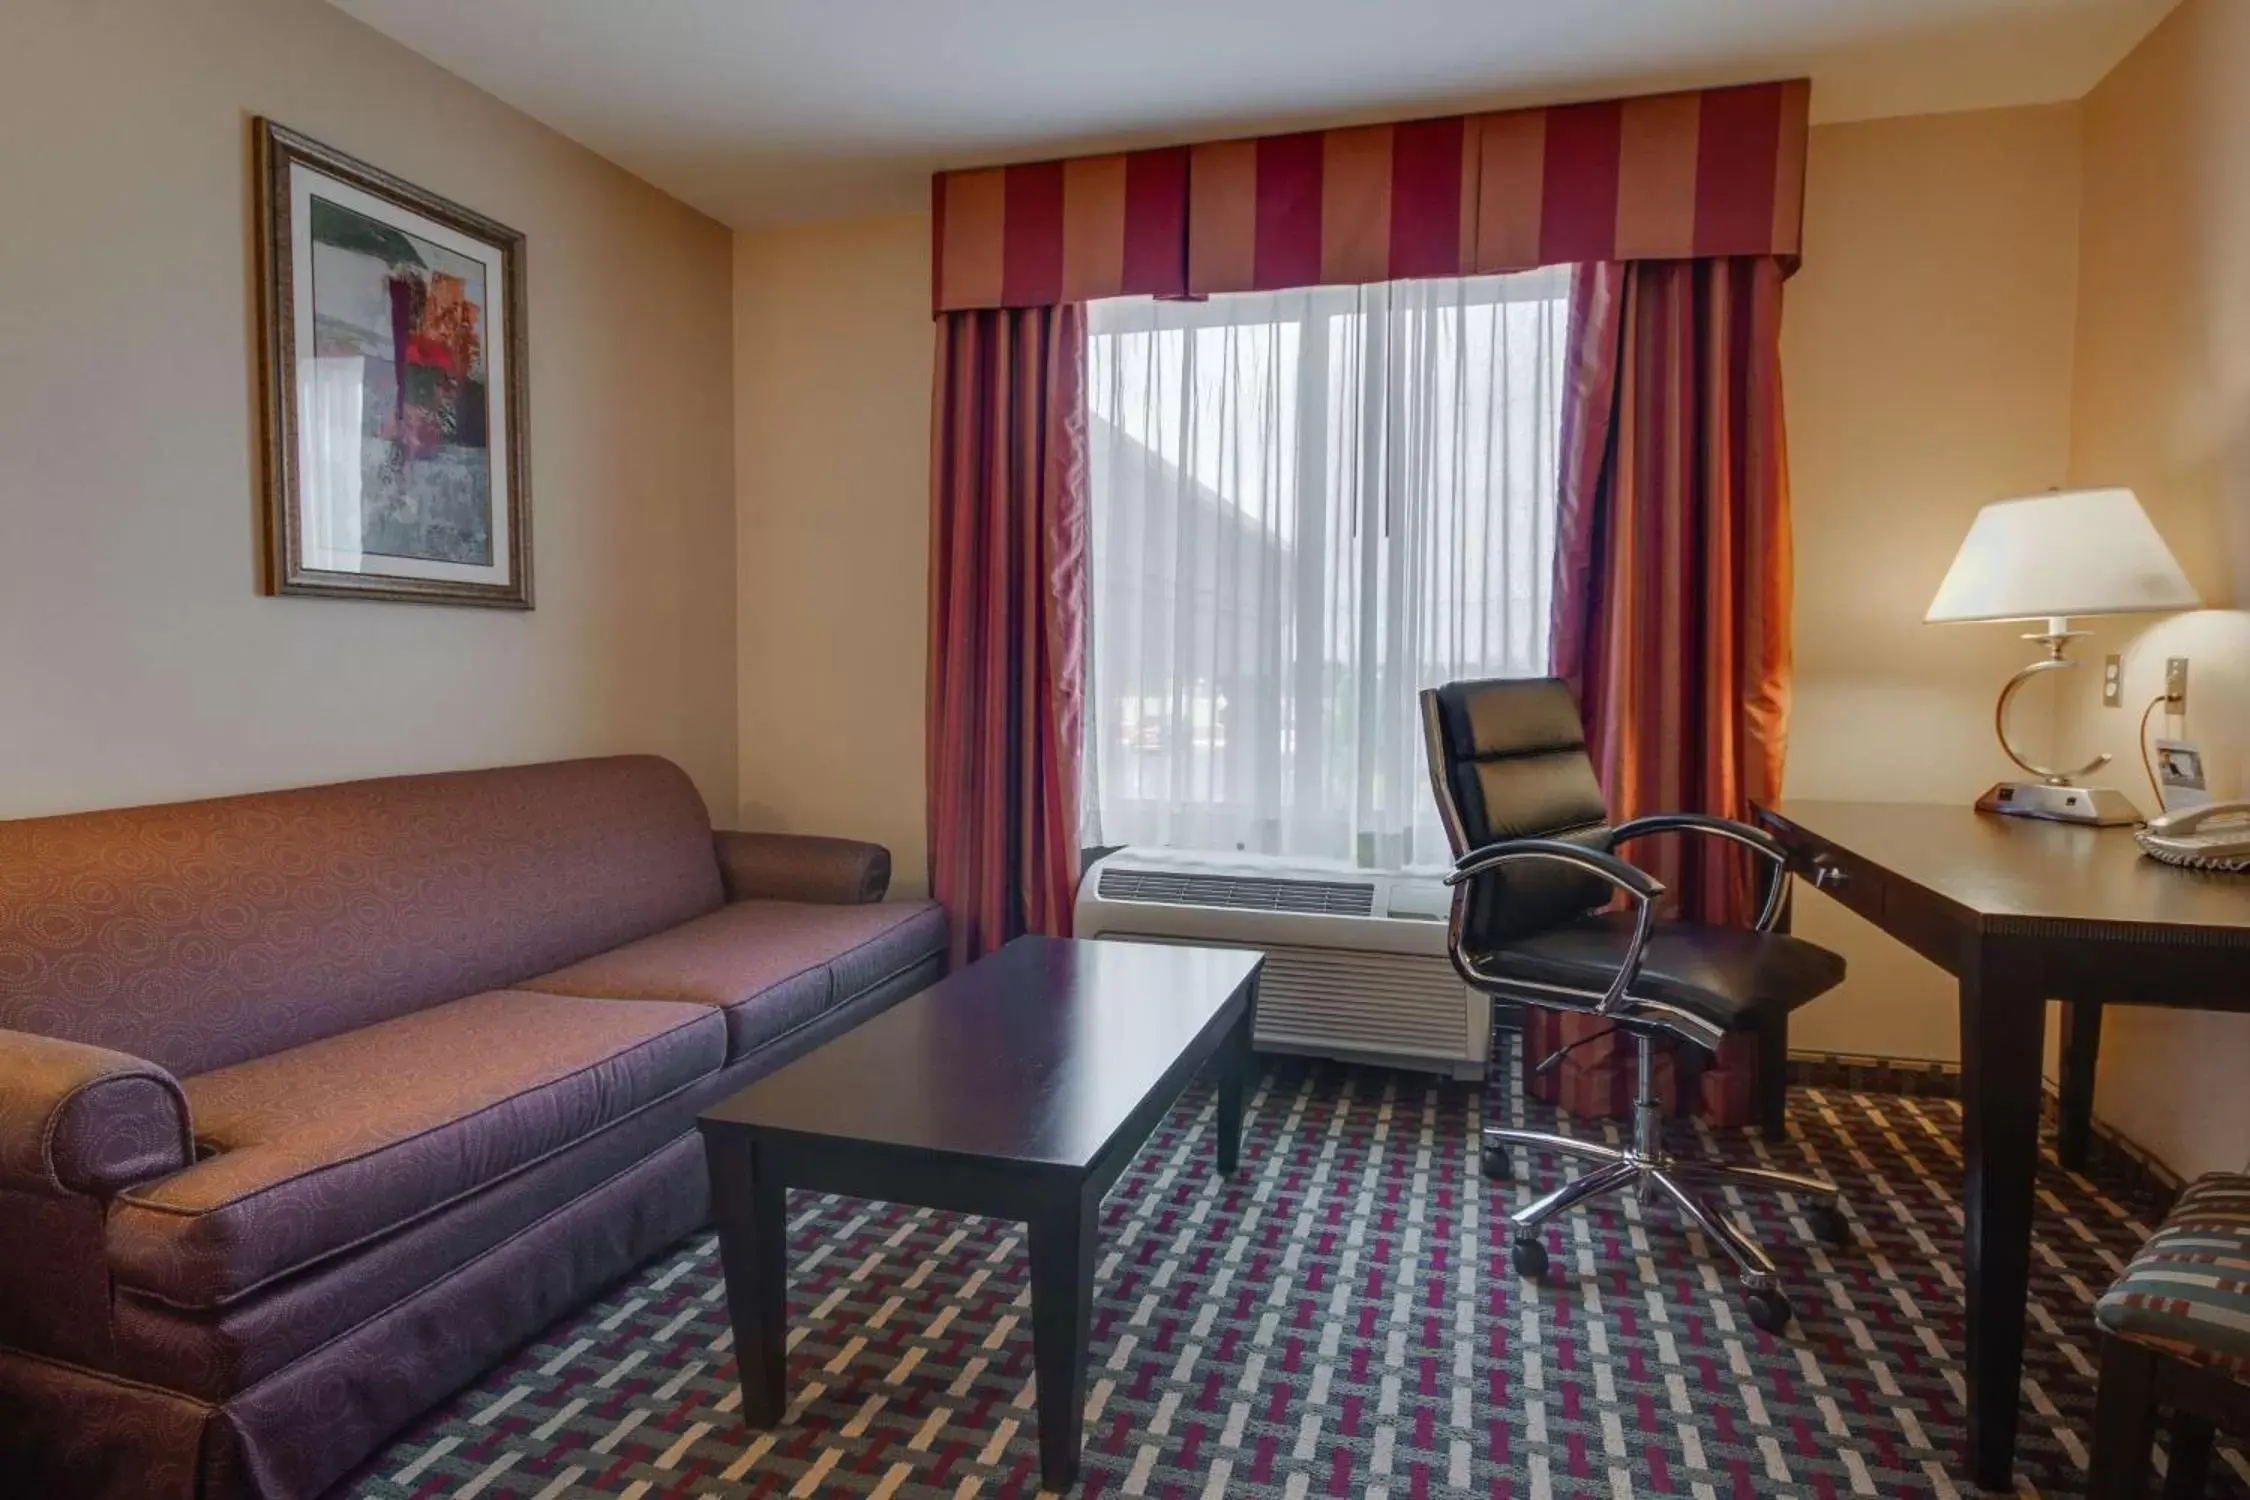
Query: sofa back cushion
{"points": [[199, 934]]}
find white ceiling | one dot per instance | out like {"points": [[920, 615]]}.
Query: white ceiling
{"points": [[765, 111]]}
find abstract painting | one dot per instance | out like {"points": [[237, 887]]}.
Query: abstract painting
{"points": [[393, 386]]}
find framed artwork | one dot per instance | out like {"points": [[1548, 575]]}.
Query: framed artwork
{"points": [[392, 373]]}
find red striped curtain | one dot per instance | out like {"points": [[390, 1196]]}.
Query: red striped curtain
{"points": [[1717, 172], [1673, 573], [1007, 657], [1675, 185], [1060, 231]]}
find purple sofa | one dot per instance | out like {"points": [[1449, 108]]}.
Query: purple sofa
{"points": [[315, 1103]]}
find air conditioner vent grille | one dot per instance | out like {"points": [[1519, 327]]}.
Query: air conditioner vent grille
{"points": [[1327, 898], [1390, 1006]]}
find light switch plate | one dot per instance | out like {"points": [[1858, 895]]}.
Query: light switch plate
{"points": [[2113, 680]]}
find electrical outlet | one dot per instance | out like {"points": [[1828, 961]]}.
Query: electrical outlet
{"points": [[2175, 685], [2113, 681]]}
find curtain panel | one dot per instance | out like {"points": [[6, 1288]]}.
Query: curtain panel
{"points": [[1717, 172], [1673, 590], [1007, 670], [1682, 213]]}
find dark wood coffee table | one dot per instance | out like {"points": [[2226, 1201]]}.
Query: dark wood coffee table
{"points": [[1018, 1088]]}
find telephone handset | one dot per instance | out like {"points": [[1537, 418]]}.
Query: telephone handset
{"points": [[2215, 836]]}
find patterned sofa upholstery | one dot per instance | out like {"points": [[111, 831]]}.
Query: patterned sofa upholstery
{"points": [[314, 1103]]}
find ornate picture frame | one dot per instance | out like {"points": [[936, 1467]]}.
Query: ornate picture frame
{"points": [[392, 379]]}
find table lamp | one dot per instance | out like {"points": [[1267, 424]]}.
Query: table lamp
{"points": [[2049, 557]]}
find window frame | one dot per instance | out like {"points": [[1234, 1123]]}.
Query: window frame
{"points": [[1311, 309]]}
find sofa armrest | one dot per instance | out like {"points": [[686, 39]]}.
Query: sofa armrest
{"points": [[85, 1120], [799, 867]]}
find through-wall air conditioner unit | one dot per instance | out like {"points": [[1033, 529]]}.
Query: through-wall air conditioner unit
{"points": [[1356, 966]]}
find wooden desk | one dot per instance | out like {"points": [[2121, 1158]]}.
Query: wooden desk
{"points": [[2021, 912]]}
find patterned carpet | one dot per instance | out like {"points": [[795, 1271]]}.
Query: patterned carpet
{"points": [[1340, 1320]]}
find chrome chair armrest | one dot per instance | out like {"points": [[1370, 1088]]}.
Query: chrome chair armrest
{"points": [[1641, 886], [1631, 879], [1757, 840]]}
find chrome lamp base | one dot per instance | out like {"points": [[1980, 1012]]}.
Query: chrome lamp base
{"points": [[2052, 796], [2095, 806], [1646, 1170]]}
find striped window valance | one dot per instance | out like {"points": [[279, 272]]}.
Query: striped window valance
{"points": [[1668, 176]]}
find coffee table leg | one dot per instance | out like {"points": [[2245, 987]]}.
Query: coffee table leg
{"points": [[1234, 1068], [1062, 1321], [750, 1203]]}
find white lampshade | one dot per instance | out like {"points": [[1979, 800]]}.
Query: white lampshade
{"points": [[2074, 552]]}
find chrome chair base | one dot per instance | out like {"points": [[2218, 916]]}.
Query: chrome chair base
{"points": [[1645, 1169]]}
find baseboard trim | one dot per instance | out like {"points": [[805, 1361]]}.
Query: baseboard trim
{"points": [[2121, 1163], [1857, 1073]]}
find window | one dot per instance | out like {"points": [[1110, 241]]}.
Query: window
{"points": [[1308, 506]]}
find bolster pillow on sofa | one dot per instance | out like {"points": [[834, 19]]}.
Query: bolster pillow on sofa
{"points": [[802, 867]]}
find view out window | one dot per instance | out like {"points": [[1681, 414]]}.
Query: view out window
{"points": [[1308, 506]]}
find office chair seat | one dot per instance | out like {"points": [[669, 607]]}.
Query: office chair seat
{"points": [[1728, 976]]}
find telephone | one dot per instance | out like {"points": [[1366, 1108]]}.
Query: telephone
{"points": [[2215, 836]]}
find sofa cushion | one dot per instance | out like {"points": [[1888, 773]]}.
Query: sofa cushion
{"points": [[200, 934], [215, 1352], [770, 966], [319, 1148]]}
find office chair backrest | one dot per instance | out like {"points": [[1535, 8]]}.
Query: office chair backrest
{"points": [[1508, 760]]}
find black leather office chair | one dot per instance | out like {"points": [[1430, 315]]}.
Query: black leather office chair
{"points": [[1535, 863]]}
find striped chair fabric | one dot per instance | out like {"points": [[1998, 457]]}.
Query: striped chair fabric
{"points": [[2188, 1291]]}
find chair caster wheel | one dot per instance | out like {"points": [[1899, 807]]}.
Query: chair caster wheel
{"points": [[1530, 1257], [1829, 1223], [1497, 1167], [1770, 1311]]}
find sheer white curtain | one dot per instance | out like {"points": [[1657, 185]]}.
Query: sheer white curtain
{"points": [[1308, 506]]}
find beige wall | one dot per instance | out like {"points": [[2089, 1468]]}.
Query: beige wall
{"points": [[832, 420], [137, 659], [2162, 403], [1927, 353]]}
